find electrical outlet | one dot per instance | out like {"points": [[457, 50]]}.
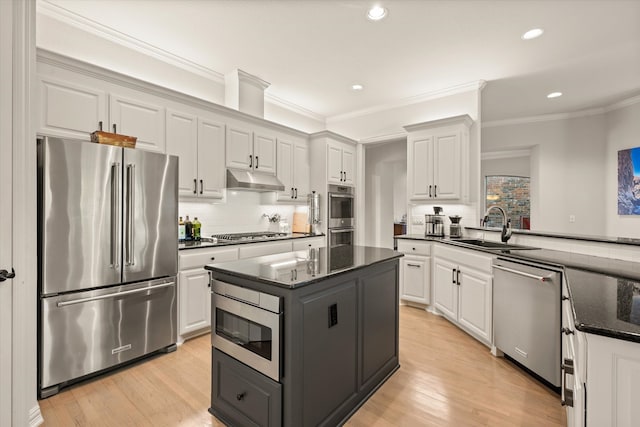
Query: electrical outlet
{"points": [[417, 220], [572, 218]]}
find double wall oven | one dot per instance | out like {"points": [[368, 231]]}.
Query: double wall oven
{"points": [[341, 209]]}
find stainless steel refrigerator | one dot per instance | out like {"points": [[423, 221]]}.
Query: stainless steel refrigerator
{"points": [[107, 258]]}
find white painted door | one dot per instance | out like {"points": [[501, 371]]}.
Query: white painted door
{"points": [[415, 279], [446, 166], [349, 165], [182, 141], [211, 170], [195, 300], [140, 117], [334, 163], [419, 175], [475, 302], [239, 148], [301, 171], [264, 151], [285, 168], [6, 220], [445, 288]]}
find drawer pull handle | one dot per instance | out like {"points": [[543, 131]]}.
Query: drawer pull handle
{"points": [[240, 396], [413, 265], [213, 258]]}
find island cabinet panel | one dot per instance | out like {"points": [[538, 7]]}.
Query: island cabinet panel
{"points": [[329, 351], [379, 321], [247, 397]]}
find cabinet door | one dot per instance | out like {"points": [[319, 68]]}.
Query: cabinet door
{"points": [[195, 301], [301, 172], [446, 166], [211, 168], [182, 141], [475, 303], [416, 273], [285, 166], [334, 163], [348, 164], [329, 342], [239, 147], [445, 289], [308, 243], [264, 152], [70, 110], [267, 248], [419, 178], [140, 118]]}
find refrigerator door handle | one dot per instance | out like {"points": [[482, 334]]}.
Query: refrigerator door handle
{"points": [[131, 181], [115, 209], [113, 295]]}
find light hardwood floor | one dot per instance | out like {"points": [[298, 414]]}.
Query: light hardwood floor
{"points": [[446, 379]]}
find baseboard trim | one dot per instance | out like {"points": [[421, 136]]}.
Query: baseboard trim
{"points": [[35, 416]]}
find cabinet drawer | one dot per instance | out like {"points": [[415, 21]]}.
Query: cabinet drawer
{"points": [[197, 258], [468, 257], [266, 248], [311, 242], [414, 247], [243, 395]]}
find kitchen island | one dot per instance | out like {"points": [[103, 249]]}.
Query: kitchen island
{"points": [[332, 345]]}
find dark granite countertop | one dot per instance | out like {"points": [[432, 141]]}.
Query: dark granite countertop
{"points": [[301, 268], [602, 290], [604, 239], [208, 244]]}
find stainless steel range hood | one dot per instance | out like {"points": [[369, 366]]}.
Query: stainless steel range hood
{"points": [[238, 179]]}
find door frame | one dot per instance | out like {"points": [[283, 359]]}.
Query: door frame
{"points": [[20, 54]]}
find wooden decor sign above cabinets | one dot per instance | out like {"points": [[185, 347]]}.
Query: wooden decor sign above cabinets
{"points": [[438, 160]]}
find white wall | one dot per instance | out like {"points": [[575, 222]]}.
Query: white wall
{"points": [[567, 173], [622, 132], [242, 212], [385, 190]]}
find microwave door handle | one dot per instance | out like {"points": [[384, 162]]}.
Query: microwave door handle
{"points": [[346, 230], [343, 196]]}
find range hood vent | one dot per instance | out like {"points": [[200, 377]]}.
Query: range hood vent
{"points": [[238, 179]]}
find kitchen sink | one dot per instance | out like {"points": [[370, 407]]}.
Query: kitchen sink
{"points": [[484, 244]]}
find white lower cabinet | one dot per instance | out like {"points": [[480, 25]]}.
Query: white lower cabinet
{"points": [[265, 248], [463, 289], [309, 242], [573, 365], [194, 293], [415, 271]]}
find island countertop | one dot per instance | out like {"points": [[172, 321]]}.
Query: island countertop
{"points": [[301, 268]]}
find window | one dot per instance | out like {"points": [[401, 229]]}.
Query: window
{"points": [[511, 193]]}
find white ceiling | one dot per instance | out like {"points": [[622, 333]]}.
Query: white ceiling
{"points": [[313, 51]]}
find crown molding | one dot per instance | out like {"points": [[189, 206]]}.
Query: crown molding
{"points": [[383, 139], [504, 154], [543, 118], [256, 81], [46, 8], [464, 119], [467, 87], [332, 135], [622, 104], [272, 99]]}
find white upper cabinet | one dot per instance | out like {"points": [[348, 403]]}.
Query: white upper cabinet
{"points": [[199, 143], [293, 169], [438, 154], [341, 163], [142, 117], [70, 110], [250, 149]]}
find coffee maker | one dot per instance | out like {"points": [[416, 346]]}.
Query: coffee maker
{"points": [[434, 224], [455, 229]]}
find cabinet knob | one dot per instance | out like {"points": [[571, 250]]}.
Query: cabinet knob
{"points": [[241, 396], [564, 297], [567, 331], [213, 258]]}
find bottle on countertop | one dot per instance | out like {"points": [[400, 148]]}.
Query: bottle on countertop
{"points": [[181, 230], [188, 229], [197, 226]]}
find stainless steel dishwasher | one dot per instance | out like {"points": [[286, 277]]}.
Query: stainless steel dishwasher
{"points": [[526, 315]]}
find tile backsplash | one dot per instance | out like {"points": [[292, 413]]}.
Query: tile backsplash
{"points": [[242, 212]]}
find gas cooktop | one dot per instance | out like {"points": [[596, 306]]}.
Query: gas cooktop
{"points": [[255, 235]]}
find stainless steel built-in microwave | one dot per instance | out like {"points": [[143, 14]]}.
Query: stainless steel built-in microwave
{"points": [[341, 206]]}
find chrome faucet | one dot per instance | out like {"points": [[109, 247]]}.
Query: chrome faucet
{"points": [[506, 222]]}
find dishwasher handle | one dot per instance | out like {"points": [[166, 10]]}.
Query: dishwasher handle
{"points": [[522, 273]]}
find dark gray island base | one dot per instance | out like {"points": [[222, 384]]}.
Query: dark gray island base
{"points": [[338, 336]]}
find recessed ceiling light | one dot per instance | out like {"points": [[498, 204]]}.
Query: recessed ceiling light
{"points": [[532, 34], [357, 87], [554, 94], [376, 13]]}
